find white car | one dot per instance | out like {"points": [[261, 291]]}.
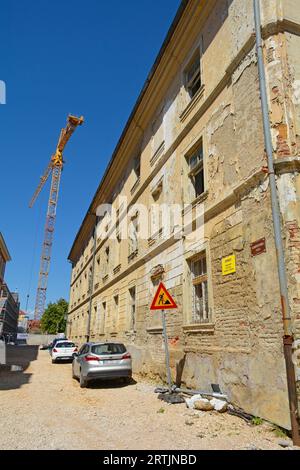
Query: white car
{"points": [[63, 350]]}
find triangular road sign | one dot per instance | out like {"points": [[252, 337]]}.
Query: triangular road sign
{"points": [[162, 299]]}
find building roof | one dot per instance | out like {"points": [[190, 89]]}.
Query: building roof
{"points": [[90, 215], [4, 249]]}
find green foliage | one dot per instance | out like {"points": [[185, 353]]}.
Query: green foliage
{"points": [[280, 432], [54, 319], [256, 421]]}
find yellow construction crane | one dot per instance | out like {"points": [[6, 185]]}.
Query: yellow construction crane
{"points": [[55, 166]]}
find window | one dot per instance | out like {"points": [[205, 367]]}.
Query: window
{"points": [[116, 311], [196, 170], [137, 166], [84, 349], [90, 280], [94, 319], [200, 312], [106, 267], [133, 235], [132, 308], [102, 327], [193, 75], [108, 349]]}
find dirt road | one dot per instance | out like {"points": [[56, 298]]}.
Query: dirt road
{"points": [[43, 408]]}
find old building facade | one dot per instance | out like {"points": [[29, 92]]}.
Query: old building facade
{"points": [[194, 141]]}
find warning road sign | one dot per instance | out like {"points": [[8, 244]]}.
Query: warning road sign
{"points": [[162, 299]]}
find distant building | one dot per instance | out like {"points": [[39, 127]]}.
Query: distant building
{"points": [[34, 326], [23, 321], [9, 301]]}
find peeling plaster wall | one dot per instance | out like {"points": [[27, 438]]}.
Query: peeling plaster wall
{"points": [[241, 347]]}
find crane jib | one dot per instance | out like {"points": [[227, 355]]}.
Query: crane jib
{"points": [[55, 166]]}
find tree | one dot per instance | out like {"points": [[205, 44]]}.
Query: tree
{"points": [[54, 319]]}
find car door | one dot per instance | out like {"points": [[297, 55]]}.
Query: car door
{"points": [[78, 358]]}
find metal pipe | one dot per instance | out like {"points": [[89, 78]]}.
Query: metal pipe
{"points": [[163, 317], [188, 391], [286, 315], [198, 392]]}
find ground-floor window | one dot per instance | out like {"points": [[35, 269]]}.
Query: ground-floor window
{"points": [[200, 305], [132, 308]]}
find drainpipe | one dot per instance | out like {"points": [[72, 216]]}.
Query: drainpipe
{"points": [[286, 314], [91, 282]]}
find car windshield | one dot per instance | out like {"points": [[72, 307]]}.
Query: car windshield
{"points": [[108, 348], [65, 345]]}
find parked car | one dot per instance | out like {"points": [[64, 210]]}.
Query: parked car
{"points": [[101, 361], [63, 350], [51, 345]]}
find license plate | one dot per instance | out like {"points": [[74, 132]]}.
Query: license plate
{"points": [[110, 361]]}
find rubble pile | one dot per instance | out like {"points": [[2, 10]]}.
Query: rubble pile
{"points": [[197, 402]]}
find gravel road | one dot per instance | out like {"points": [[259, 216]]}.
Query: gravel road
{"points": [[44, 408]]}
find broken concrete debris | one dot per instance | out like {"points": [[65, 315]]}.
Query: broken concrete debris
{"points": [[219, 405], [197, 402], [203, 405]]}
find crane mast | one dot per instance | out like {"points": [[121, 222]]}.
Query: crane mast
{"points": [[55, 166]]}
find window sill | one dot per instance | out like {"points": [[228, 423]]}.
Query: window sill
{"points": [[132, 255], [155, 237], [208, 328], [158, 153], [117, 269], [130, 332], [154, 330], [192, 104], [135, 186], [202, 197]]}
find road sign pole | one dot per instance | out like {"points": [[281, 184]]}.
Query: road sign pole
{"points": [[163, 317]]}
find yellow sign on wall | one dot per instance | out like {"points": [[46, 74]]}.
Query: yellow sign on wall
{"points": [[228, 265]]}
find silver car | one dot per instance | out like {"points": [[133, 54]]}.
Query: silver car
{"points": [[101, 361]]}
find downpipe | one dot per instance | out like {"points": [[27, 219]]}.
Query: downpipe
{"points": [[286, 314]]}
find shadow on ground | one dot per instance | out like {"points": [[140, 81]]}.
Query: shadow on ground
{"points": [[18, 359], [110, 384]]}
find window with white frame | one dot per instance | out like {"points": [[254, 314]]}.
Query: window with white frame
{"points": [[193, 75], [200, 303], [196, 169]]}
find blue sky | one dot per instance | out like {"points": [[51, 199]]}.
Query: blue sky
{"points": [[58, 57]]}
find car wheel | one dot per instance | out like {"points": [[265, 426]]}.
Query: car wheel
{"points": [[127, 380], [53, 361], [82, 382]]}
